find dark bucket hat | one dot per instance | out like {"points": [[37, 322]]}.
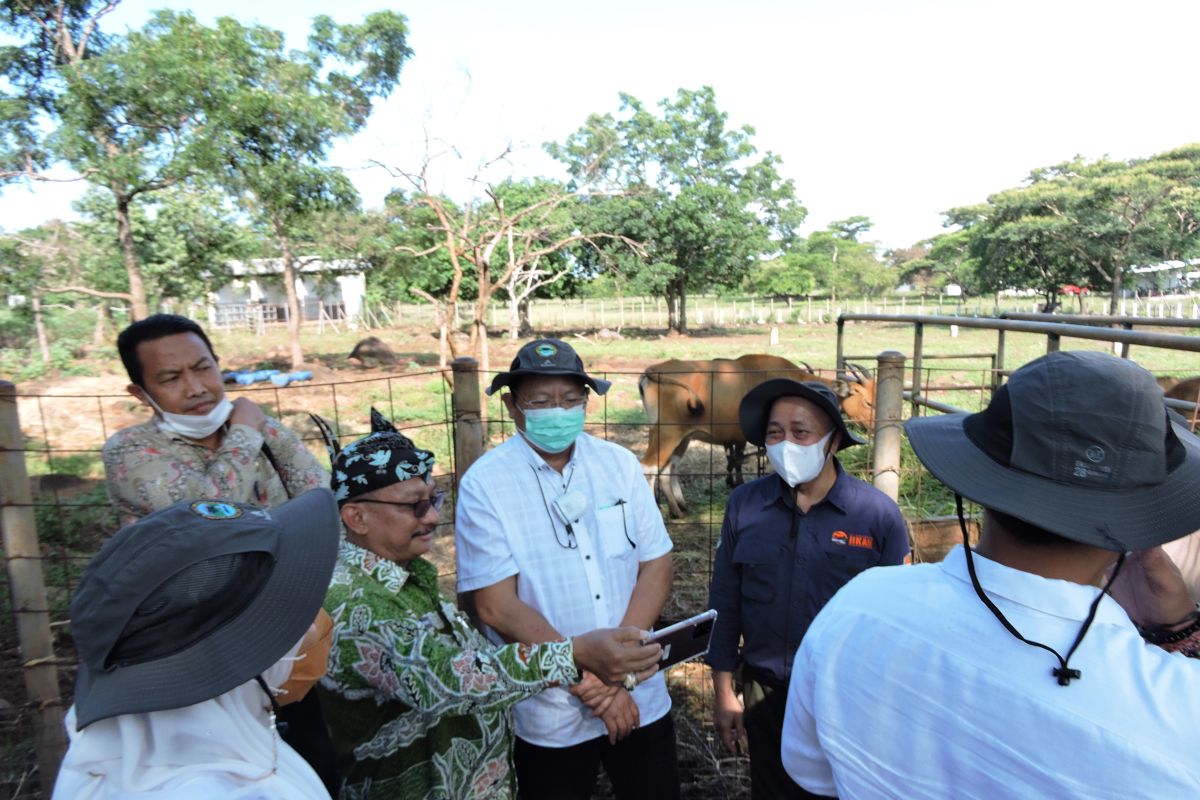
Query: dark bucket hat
{"points": [[547, 357], [755, 408], [1077, 443], [194, 600]]}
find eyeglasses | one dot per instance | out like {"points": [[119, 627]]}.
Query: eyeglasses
{"points": [[419, 508], [540, 404]]}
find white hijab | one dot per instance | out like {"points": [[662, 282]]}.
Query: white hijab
{"points": [[222, 747]]}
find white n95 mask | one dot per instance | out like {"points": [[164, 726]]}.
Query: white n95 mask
{"points": [[798, 463]]}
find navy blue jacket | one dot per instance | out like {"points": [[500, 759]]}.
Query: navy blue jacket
{"points": [[776, 566]]}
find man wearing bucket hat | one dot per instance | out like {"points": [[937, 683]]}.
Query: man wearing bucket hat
{"points": [[418, 699], [557, 532], [788, 542], [187, 624], [1009, 671]]}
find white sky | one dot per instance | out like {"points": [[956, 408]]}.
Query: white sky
{"points": [[897, 109]]}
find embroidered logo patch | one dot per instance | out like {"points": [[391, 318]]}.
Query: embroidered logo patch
{"points": [[545, 350], [215, 509], [863, 540]]}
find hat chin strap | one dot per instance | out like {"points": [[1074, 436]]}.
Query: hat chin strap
{"points": [[1063, 672]]}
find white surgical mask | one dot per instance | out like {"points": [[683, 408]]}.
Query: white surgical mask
{"points": [[798, 463], [194, 426]]}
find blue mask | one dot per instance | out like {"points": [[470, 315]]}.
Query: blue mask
{"points": [[553, 430]]}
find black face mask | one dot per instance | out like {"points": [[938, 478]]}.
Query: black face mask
{"points": [[1063, 672]]}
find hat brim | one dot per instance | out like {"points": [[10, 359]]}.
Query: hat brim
{"points": [[1120, 519], [506, 378], [756, 405], [246, 646]]}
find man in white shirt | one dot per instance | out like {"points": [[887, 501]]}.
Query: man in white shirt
{"points": [[1004, 672], [557, 533]]}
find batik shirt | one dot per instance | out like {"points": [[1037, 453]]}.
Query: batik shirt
{"points": [[418, 700], [148, 468]]}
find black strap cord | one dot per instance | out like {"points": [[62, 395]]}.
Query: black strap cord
{"points": [[1063, 672], [571, 543]]}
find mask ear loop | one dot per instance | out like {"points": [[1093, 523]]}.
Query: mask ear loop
{"points": [[279, 727], [1063, 672]]}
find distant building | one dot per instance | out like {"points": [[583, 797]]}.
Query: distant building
{"points": [[1165, 277], [257, 293]]}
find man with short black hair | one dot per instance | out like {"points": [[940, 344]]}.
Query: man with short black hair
{"points": [[1007, 671], [557, 533], [198, 443], [788, 543]]}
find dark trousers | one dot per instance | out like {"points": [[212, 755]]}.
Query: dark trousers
{"points": [[765, 704], [308, 735], [642, 765]]}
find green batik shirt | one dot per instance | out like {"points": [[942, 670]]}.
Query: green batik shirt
{"points": [[417, 699]]}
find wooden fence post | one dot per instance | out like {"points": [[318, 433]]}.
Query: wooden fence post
{"points": [[468, 417], [27, 585], [889, 400]]}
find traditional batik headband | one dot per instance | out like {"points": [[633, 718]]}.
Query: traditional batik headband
{"points": [[383, 457]]}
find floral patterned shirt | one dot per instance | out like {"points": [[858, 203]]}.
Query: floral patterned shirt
{"points": [[148, 468], [418, 700]]}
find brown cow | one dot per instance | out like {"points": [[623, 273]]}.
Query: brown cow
{"points": [[698, 400], [1187, 389]]}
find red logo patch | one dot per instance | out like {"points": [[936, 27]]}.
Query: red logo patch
{"points": [[863, 540]]}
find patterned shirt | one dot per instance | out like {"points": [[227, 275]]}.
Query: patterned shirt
{"points": [[148, 468], [419, 702]]}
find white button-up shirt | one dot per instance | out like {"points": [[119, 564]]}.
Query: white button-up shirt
{"points": [[907, 686], [579, 579]]}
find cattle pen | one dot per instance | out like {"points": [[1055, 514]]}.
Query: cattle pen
{"points": [[54, 514]]}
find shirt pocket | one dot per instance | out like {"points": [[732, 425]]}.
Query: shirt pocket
{"points": [[846, 561], [618, 538], [759, 570]]}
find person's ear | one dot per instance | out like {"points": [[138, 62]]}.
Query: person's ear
{"points": [[352, 518], [510, 403], [140, 394]]}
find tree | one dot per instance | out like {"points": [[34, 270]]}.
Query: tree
{"points": [[45, 36], [705, 209], [283, 114], [842, 261], [500, 242]]}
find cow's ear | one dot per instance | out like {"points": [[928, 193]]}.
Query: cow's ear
{"points": [[841, 388]]}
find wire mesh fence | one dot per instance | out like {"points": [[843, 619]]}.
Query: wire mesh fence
{"points": [[63, 436]]}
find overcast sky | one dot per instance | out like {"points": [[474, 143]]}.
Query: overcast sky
{"points": [[896, 109]]}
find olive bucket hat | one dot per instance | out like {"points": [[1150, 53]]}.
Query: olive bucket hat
{"points": [[1079, 444], [194, 600]]}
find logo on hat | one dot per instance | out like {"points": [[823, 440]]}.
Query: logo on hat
{"points": [[1095, 454], [214, 509], [545, 350]]}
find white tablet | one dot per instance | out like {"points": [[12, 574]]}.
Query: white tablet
{"points": [[684, 640]]}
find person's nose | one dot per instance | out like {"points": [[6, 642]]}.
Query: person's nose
{"points": [[195, 386]]}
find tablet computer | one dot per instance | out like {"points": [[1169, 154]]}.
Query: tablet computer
{"points": [[684, 640]]}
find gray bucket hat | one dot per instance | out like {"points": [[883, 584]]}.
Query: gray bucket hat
{"points": [[194, 600], [547, 357], [756, 407], [1077, 443]]}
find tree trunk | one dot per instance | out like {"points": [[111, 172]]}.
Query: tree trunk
{"points": [[514, 315], [100, 335], [833, 277], [670, 306], [293, 301], [524, 326], [682, 319], [39, 325], [1114, 301], [138, 307]]}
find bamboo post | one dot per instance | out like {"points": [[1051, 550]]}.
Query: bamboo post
{"points": [[889, 394], [468, 415], [28, 588]]}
